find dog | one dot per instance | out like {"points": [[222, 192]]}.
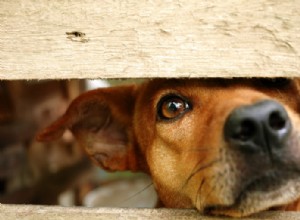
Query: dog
{"points": [[228, 147]]}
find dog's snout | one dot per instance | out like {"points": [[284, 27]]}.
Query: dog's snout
{"points": [[256, 127]]}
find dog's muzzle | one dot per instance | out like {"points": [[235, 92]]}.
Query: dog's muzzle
{"points": [[263, 171], [262, 127]]}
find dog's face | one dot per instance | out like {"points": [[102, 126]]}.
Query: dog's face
{"points": [[228, 147]]}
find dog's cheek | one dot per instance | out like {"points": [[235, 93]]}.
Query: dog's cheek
{"points": [[172, 157], [164, 165]]}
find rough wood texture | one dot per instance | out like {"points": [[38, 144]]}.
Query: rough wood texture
{"points": [[8, 212], [140, 38]]}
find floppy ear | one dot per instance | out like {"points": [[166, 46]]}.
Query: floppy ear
{"points": [[101, 121]]}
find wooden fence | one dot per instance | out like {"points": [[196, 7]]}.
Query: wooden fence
{"points": [[60, 39]]}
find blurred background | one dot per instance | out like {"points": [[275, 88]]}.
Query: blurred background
{"points": [[57, 173]]}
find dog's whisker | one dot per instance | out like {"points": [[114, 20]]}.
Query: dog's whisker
{"points": [[214, 186], [198, 194], [198, 163], [197, 150], [136, 194], [193, 170], [204, 166], [201, 149]]}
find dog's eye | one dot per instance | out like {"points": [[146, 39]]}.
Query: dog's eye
{"points": [[275, 82], [172, 107]]}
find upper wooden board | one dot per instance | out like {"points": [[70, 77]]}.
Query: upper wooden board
{"points": [[48, 39]]}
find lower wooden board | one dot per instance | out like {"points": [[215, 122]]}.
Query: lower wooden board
{"points": [[25, 212]]}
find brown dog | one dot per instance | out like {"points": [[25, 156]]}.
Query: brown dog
{"points": [[226, 147]]}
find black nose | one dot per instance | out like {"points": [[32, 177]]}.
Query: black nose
{"points": [[262, 126]]}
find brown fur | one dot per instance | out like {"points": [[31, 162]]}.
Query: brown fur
{"points": [[191, 164]]}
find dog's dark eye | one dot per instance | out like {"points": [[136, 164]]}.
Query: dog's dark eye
{"points": [[172, 107], [275, 82]]}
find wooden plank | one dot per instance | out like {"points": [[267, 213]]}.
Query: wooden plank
{"points": [[8, 212], [141, 38]]}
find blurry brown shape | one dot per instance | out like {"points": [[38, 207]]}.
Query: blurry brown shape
{"points": [[32, 172], [46, 189]]}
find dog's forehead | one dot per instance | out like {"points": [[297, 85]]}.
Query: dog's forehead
{"points": [[157, 86], [163, 84], [224, 83], [160, 85], [274, 88]]}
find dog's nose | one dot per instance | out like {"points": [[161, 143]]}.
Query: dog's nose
{"points": [[264, 125]]}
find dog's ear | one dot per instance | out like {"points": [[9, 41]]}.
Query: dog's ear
{"points": [[101, 121]]}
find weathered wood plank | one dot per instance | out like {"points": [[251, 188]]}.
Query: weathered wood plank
{"points": [[141, 38], [8, 212]]}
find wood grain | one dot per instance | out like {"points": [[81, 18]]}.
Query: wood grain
{"points": [[21, 212], [43, 39]]}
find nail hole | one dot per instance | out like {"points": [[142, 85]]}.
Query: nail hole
{"points": [[77, 36]]}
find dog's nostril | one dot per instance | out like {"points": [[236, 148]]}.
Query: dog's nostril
{"points": [[245, 132], [277, 121]]}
